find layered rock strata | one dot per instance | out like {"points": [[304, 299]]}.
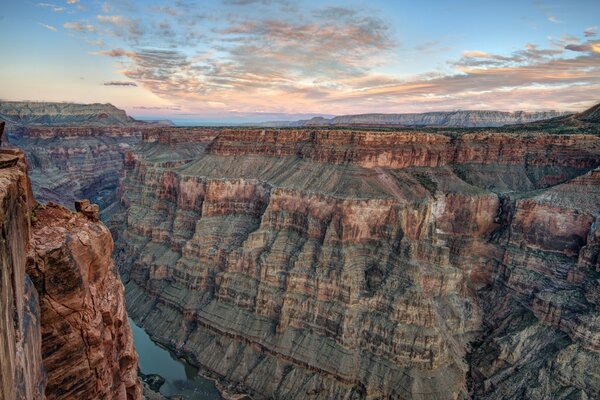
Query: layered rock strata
{"points": [[64, 331], [68, 163], [47, 113], [87, 346], [348, 264], [22, 375]]}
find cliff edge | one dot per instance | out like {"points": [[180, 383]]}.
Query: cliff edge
{"points": [[64, 332]]}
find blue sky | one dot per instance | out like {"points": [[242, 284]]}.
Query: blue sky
{"points": [[247, 60]]}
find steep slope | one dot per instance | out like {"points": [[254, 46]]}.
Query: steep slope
{"points": [[542, 311], [68, 163], [357, 264], [64, 332], [21, 371], [591, 115], [87, 346]]}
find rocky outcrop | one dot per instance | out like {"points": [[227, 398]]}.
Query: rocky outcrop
{"points": [[87, 346], [462, 119], [64, 331], [22, 375], [349, 264]]}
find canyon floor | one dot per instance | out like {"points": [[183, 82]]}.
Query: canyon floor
{"points": [[351, 263]]}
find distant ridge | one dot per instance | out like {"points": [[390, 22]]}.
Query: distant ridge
{"points": [[588, 117], [466, 119], [63, 114]]}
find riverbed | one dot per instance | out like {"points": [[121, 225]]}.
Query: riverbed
{"points": [[180, 377]]}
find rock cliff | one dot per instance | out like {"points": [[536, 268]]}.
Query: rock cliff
{"points": [[326, 263], [69, 163], [361, 264], [22, 375], [64, 331]]}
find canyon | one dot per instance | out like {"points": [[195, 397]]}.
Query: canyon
{"points": [[351, 262], [64, 331]]}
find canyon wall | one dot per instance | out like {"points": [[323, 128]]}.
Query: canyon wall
{"points": [[64, 331], [68, 163], [349, 264], [22, 375], [307, 263]]}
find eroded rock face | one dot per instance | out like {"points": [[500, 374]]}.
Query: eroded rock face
{"points": [[64, 332], [22, 374], [88, 349], [68, 163], [542, 310], [332, 264]]}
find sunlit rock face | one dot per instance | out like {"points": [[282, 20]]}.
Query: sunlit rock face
{"points": [[357, 264], [87, 346]]}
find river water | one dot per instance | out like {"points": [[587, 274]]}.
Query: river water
{"points": [[180, 377]]}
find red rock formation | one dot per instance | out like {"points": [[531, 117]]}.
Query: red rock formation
{"points": [[64, 333], [21, 371], [87, 349], [332, 264]]}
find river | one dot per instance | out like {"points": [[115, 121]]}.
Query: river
{"points": [[180, 377]]}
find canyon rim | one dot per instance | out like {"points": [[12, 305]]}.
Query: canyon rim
{"points": [[251, 199]]}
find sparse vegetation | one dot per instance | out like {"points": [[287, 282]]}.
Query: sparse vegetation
{"points": [[426, 182]]}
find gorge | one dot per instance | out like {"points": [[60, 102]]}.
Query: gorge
{"points": [[410, 263]]}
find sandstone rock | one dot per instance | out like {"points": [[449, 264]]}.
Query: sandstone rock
{"points": [[91, 211], [341, 264], [21, 371], [88, 348], [64, 331], [427, 264]]}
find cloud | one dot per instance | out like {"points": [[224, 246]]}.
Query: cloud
{"points": [[115, 53], [49, 27], [171, 108], [113, 19], [72, 1], [119, 83], [79, 27], [54, 7], [327, 60], [591, 31], [553, 19], [121, 26], [579, 47], [476, 54]]}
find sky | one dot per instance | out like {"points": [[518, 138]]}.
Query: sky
{"points": [[257, 60]]}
